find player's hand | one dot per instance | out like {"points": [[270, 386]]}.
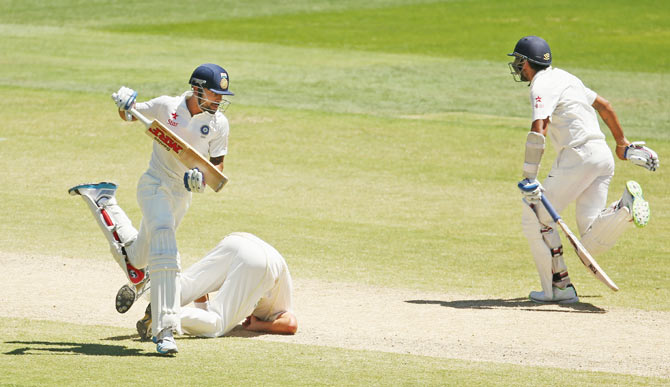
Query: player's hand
{"points": [[194, 180], [251, 323], [531, 190], [124, 98], [638, 154]]}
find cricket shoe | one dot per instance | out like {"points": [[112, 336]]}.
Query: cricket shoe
{"points": [[633, 200], [98, 193], [144, 326], [165, 343], [129, 293], [566, 295]]}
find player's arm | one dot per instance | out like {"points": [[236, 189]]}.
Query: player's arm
{"points": [[540, 126], [286, 323], [217, 162], [607, 113], [125, 99]]}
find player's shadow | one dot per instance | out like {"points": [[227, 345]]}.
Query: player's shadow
{"points": [[516, 303], [56, 347]]}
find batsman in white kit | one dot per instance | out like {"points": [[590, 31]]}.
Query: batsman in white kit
{"points": [[163, 193], [565, 110], [252, 286]]}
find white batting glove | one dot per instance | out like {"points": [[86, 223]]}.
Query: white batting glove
{"points": [[531, 190], [194, 180], [124, 98], [641, 155]]}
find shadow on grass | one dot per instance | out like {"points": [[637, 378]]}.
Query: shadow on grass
{"points": [[516, 303], [47, 347], [238, 331]]}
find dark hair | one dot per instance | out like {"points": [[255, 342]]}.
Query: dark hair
{"points": [[538, 67]]}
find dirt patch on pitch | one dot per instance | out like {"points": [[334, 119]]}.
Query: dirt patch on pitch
{"points": [[580, 337]]}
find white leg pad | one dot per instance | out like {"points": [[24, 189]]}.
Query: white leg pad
{"points": [[606, 229], [115, 225], [164, 270], [538, 248], [122, 224], [558, 267]]}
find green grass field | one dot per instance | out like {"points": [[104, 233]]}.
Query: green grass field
{"points": [[376, 144]]}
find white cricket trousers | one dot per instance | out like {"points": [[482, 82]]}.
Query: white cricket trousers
{"points": [[164, 202], [582, 175], [238, 268]]}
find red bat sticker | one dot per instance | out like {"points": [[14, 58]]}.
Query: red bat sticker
{"points": [[164, 139]]}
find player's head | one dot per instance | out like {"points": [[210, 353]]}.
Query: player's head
{"points": [[532, 50], [210, 82]]}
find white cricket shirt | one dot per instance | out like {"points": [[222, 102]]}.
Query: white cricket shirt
{"points": [[277, 299], [206, 133], [562, 97]]}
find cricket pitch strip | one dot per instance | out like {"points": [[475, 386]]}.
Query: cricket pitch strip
{"points": [[582, 337]]}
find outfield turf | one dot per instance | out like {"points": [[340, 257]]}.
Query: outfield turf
{"points": [[376, 144]]}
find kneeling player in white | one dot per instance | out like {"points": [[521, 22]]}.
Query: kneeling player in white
{"points": [[253, 286], [565, 110]]}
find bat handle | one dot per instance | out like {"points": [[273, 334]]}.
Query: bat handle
{"points": [[550, 209], [140, 117]]}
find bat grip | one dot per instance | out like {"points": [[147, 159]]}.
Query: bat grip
{"points": [[140, 116], [550, 209]]}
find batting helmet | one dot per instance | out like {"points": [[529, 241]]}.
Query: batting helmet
{"points": [[534, 49], [212, 77]]}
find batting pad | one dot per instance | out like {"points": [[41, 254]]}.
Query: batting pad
{"points": [[165, 305], [606, 229], [553, 240], [164, 271], [538, 248], [123, 226], [115, 225]]}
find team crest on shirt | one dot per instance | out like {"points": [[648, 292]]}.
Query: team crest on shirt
{"points": [[538, 102], [204, 130]]}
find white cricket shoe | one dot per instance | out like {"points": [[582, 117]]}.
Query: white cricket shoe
{"points": [[98, 193], [166, 345], [566, 295], [633, 200]]}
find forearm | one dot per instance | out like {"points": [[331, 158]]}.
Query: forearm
{"points": [[217, 162], [609, 116], [286, 323]]}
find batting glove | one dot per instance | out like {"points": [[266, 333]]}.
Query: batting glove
{"points": [[531, 190], [194, 181], [124, 98], [641, 155]]}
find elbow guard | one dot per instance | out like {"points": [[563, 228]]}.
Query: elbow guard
{"points": [[534, 151]]}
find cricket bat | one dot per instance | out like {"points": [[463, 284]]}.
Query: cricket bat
{"points": [[582, 253], [180, 149]]}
